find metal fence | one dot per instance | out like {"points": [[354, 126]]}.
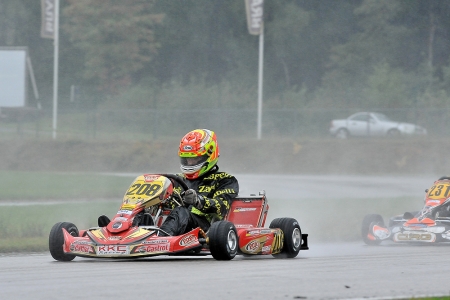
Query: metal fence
{"points": [[144, 124]]}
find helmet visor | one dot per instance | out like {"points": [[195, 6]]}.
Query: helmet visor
{"points": [[192, 164], [193, 161]]}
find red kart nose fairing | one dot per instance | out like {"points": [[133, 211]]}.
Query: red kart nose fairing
{"points": [[138, 242]]}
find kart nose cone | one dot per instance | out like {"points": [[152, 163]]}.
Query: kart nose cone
{"points": [[117, 225]]}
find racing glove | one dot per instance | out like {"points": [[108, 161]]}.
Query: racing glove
{"points": [[191, 198]]}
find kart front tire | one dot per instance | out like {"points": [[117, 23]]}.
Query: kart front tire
{"points": [[368, 221], [292, 237], [56, 240], [223, 240]]}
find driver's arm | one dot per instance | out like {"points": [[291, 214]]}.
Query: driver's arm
{"points": [[219, 200]]}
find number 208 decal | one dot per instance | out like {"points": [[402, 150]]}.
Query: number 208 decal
{"points": [[144, 189]]}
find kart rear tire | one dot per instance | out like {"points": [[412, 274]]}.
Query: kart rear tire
{"points": [[366, 223], [292, 241], [223, 240], [56, 240]]}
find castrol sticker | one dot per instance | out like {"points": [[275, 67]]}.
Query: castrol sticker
{"points": [[156, 248]]}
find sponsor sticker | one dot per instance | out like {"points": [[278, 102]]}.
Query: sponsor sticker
{"points": [[113, 250], [243, 225], [255, 246], [155, 248], [415, 226], [80, 248], [242, 209], [149, 178], [151, 242], [433, 202], [414, 237], [124, 212], [81, 243], [253, 232], [265, 249], [128, 206], [188, 240]]}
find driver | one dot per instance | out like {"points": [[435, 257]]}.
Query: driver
{"points": [[210, 191]]}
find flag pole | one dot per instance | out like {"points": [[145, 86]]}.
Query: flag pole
{"points": [[55, 70], [255, 23], [260, 80]]}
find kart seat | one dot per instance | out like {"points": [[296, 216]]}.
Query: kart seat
{"points": [[248, 211]]}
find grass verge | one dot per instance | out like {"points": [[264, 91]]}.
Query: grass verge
{"points": [[21, 185], [432, 298], [26, 228]]}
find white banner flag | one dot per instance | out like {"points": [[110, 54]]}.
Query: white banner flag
{"points": [[48, 19], [254, 9]]}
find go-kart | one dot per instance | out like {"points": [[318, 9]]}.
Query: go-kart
{"points": [[134, 230], [429, 225]]}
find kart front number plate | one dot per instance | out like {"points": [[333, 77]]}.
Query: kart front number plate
{"points": [[113, 250]]}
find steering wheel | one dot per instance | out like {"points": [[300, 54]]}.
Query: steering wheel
{"points": [[179, 180]]}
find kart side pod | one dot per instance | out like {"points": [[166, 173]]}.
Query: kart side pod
{"points": [[248, 214]]}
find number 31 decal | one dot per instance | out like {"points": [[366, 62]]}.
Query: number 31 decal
{"points": [[439, 191]]}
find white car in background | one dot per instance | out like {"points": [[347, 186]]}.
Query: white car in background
{"points": [[366, 124]]}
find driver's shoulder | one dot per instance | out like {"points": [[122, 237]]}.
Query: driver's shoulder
{"points": [[218, 175]]}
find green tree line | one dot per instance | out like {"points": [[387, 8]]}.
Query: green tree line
{"points": [[198, 53]]}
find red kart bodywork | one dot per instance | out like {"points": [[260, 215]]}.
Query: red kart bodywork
{"points": [[249, 214], [122, 239]]}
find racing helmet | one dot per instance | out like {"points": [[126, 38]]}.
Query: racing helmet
{"points": [[198, 152]]}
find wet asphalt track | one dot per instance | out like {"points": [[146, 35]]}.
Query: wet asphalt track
{"points": [[335, 271], [326, 271]]}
